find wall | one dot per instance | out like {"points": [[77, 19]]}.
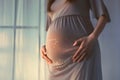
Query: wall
{"points": [[110, 43]]}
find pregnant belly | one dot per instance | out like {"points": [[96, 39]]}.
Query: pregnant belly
{"points": [[59, 43], [61, 35]]}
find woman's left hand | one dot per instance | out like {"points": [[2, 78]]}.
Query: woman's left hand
{"points": [[85, 46]]}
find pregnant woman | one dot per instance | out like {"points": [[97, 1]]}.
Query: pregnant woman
{"points": [[72, 50]]}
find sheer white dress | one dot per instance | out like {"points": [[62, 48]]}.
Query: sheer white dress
{"points": [[67, 23]]}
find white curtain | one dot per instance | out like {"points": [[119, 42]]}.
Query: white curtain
{"points": [[22, 32]]}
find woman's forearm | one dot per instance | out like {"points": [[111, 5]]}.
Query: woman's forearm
{"points": [[99, 27]]}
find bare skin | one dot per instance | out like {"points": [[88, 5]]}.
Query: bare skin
{"points": [[44, 55], [85, 43]]}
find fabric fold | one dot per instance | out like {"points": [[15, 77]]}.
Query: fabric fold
{"points": [[98, 9]]}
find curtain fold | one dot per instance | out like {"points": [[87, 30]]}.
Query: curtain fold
{"points": [[43, 66], [22, 33]]}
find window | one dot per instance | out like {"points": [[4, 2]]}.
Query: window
{"points": [[21, 29]]}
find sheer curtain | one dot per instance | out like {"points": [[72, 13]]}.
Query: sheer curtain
{"points": [[22, 32]]}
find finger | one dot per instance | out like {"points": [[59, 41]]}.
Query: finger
{"points": [[47, 59], [44, 56], [80, 54], [79, 50], [43, 52], [82, 57], [77, 42], [43, 49]]}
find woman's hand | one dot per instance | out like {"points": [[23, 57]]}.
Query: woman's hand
{"points": [[44, 54], [85, 46]]}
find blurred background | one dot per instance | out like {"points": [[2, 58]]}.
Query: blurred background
{"points": [[22, 32]]}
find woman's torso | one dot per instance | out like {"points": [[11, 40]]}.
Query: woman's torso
{"points": [[68, 24]]}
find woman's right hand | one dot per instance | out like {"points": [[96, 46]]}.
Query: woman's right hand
{"points": [[44, 54]]}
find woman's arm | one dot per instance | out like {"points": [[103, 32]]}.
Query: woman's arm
{"points": [[99, 27], [86, 43]]}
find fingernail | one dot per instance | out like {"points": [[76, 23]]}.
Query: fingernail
{"points": [[74, 44]]}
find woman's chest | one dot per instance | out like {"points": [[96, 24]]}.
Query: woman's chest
{"points": [[57, 4]]}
